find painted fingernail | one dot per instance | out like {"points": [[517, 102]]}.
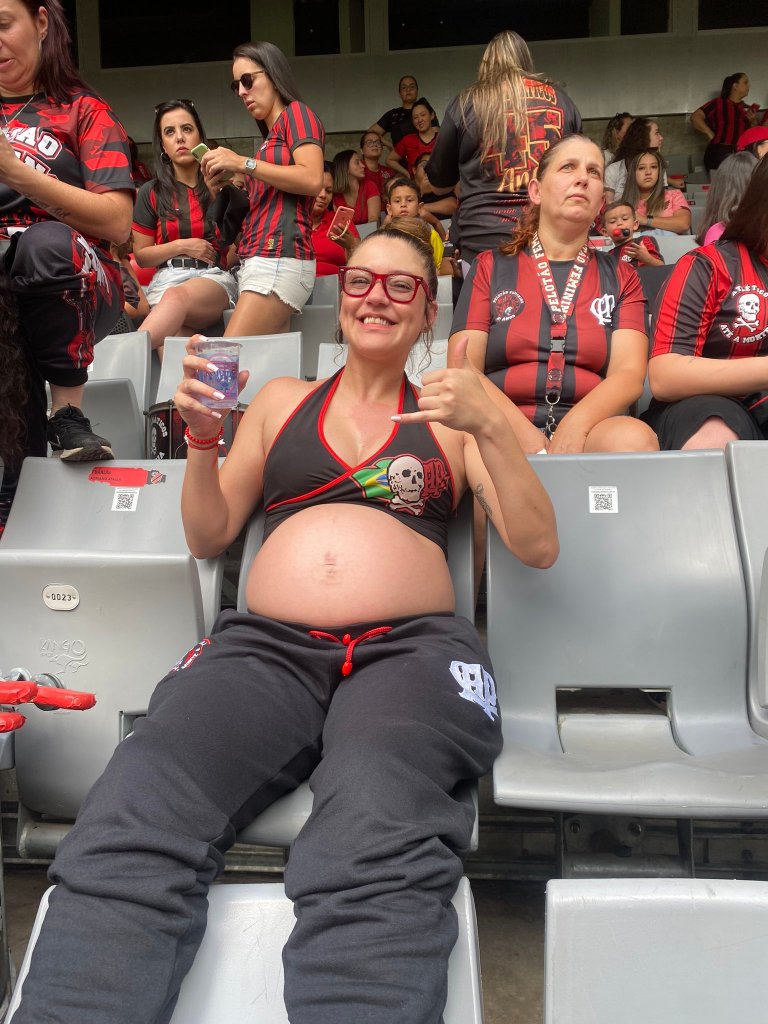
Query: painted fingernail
{"points": [[216, 415], [212, 367], [396, 418], [218, 396]]}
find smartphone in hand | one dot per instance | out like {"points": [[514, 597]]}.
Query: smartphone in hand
{"points": [[199, 151], [341, 221]]}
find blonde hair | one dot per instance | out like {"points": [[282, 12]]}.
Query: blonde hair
{"points": [[499, 90]]}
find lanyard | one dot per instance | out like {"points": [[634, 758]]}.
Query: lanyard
{"points": [[559, 311]]}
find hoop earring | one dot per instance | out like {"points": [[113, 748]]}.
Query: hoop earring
{"points": [[165, 158]]}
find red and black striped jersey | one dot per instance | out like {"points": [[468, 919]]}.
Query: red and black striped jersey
{"points": [[502, 298], [726, 119], [189, 218], [715, 304], [81, 143], [280, 223]]}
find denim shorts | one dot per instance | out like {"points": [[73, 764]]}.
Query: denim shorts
{"points": [[171, 277], [290, 280]]}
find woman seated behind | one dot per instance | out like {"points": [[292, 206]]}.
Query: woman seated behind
{"points": [[171, 231], [331, 250], [724, 195], [403, 157], [711, 319], [659, 210], [351, 188], [572, 366], [359, 476]]}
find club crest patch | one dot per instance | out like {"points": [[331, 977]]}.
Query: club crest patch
{"points": [[507, 305], [404, 483]]}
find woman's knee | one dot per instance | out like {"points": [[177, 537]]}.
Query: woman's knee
{"points": [[713, 433], [622, 434]]}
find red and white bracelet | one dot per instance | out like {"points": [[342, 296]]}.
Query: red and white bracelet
{"points": [[203, 444]]}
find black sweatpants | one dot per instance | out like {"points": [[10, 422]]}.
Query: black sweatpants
{"points": [[244, 717]]}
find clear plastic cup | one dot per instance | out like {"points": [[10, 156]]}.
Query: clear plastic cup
{"points": [[225, 356]]}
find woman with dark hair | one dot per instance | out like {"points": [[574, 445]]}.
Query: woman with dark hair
{"points": [[642, 134], [371, 152], [359, 476], [711, 320], [66, 192], [397, 121], [659, 210], [331, 250], [351, 187], [411, 147], [277, 269], [614, 133], [725, 194], [724, 119], [492, 138], [571, 366], [173, 232]]}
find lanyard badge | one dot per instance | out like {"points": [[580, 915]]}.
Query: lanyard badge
{"points": [[559, 311]]}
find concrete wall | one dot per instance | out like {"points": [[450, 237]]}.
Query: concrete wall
{"points": [[667, 74]]}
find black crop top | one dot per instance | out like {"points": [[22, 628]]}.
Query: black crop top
{"points": [[409, 477]]}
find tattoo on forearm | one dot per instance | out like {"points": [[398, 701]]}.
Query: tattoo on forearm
{"points": [[482, 501], [54, 211]]}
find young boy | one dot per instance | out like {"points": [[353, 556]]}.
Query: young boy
{"points": [[620, 224], [405, 201]]}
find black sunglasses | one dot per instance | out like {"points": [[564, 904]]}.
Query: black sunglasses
{"points": [[246, 80]]}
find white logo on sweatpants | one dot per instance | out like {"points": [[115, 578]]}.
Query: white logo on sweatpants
{"points": [[476, 685]]}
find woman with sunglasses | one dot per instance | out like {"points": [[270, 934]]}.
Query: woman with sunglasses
{"points": [[277, 260], [173, 232], [350, 666]]}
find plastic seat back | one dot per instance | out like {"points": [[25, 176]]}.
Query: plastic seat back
{"points": [[325, 291], [238, 973], [266, 356], [99, 589], [124, 355], [672, 247], [748, 469], [646, 595], [666, 949], [113, 409], [317, 324]]}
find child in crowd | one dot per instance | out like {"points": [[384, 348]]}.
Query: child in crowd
{"points": [[620, 224], [658, 208], [135, 306], [405, 201], [440, 204]]}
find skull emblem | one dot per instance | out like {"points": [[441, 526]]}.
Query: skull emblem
{"points": [[406, 480], [749, 308]]}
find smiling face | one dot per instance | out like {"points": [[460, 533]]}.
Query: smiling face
{"points": [[178, 135], [647, 173], [372, 146], [403, 202], [571, 188], [421, 117], [374, 325], [409, 90], [262, 100], [323, 199], [20, 39]]}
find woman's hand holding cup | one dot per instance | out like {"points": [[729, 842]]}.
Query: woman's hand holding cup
{"points": [[211, 384]]}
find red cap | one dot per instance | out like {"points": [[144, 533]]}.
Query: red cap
{"points": [[757, 134]]}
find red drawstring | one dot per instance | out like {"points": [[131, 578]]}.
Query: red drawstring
{"points": [[350, 642]]}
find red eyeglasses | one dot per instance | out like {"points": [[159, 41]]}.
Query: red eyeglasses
{"points": [[399, 286]]}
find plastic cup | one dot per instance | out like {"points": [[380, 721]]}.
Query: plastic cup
{"points": [[225, 356]]}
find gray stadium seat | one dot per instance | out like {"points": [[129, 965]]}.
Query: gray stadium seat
{"points": [[330, 357], [647, 595], [124, 355], [445, 290], [317, 324], [143, 602], [367, 229], [748, 470], [640, 950], [237, 974], [280, 824], [113, 409], [266, 356], [442, 326], [672, 247], [325, 291]]}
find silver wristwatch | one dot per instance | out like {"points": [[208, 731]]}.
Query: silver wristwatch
{"points": [[250, 164]]}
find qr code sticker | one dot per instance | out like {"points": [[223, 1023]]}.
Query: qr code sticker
{"points": [[125, 499], [603, 499]]}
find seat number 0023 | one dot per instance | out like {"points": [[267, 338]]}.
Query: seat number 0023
{"points": [[61, 597]]}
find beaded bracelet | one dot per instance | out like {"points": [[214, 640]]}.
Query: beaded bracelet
{"points": [[202, 444]]}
